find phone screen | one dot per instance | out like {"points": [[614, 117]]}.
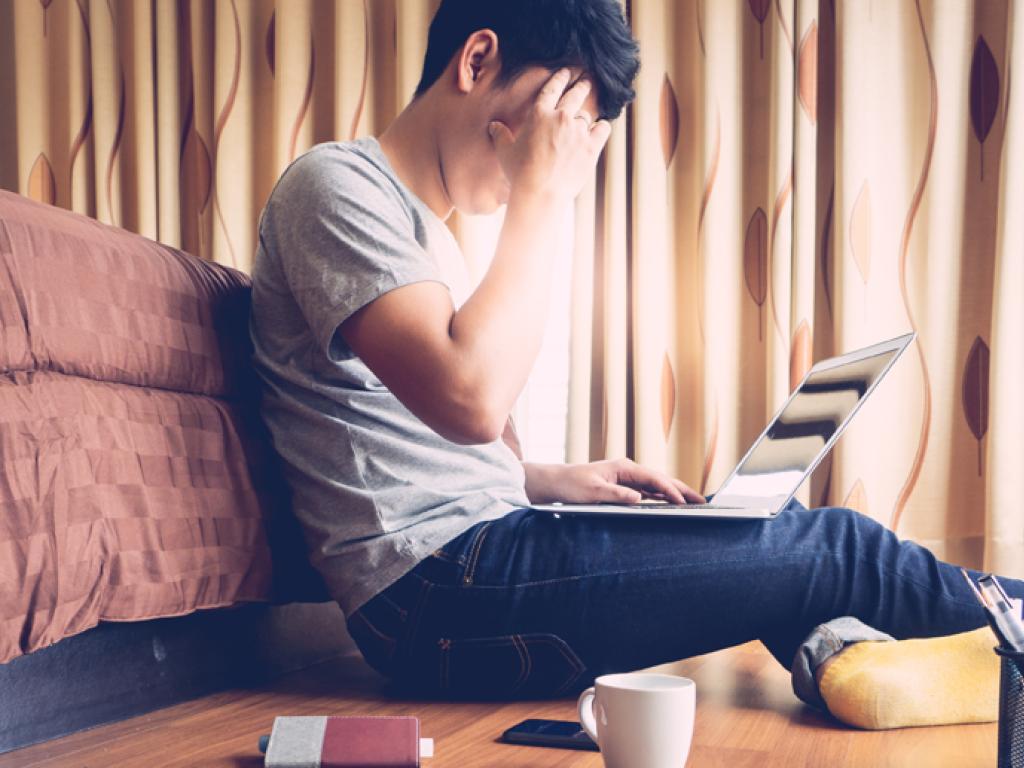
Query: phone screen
{"points": [[550, 733]]}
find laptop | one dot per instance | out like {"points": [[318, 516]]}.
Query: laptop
{"points": [[794, 443]]}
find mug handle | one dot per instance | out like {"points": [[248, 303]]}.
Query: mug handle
{"points": [[585, 706]]}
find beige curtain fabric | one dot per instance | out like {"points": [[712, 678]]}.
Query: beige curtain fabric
{"points": [[797, 178], [174, 119]]}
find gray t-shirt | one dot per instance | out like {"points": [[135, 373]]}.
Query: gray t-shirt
{"points": [[375, 489]]}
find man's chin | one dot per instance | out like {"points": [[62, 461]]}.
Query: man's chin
{"points": [[486, 206], [500, 199]]}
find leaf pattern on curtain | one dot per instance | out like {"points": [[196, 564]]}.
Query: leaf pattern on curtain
{"points": [[46, 6], [974, 392], [196, 166], [270, 44], [755, 263], [826, 241], [760, 10], [41, 185], [700, 28], [668, 121], [86, 126], [785, 192], [984, 95], [366, 72], [222, 119], [705, 197], [709, 452], [115, 146], [307, 98], [800, 354], [908, 230], [857, 498], [860, 232], [807, 72], [668, 395], [781, 200]]}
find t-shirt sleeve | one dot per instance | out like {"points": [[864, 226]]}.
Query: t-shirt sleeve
{"points": [[343, 237]]}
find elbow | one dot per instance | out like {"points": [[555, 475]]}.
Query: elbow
{"points": [[472, 416], [463, 404], [474, 426]]}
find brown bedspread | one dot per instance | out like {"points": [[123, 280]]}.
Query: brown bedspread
{"points": [[131, 472]]}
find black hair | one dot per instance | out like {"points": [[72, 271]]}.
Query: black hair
{"points": [[590, 34]]}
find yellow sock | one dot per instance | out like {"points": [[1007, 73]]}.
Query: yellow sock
{"points": [[931, 681]]}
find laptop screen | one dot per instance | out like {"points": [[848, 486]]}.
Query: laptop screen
{"points": [[778, 462]]}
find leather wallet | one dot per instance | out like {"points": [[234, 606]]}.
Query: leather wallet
{"points": [[346, 742]]}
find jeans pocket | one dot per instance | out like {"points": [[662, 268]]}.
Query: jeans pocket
{"points": [[536, 665], [460, 554]]}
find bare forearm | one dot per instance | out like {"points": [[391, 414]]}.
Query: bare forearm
{"points": [[541, 482], [497, 333]]}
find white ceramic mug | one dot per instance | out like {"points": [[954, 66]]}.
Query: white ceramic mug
{"points": [[640, 719]]}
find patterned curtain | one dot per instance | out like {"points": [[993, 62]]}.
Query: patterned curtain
{"points": [[174, 119], [796, 179]]}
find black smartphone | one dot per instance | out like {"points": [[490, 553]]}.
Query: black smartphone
{"points": [[549, 733]]}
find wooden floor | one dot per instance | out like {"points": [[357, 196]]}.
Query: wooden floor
{"points": [[746, 716]]}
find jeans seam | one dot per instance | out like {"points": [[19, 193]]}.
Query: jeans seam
{"points": [[574, 661], [474, 555], [582, 576], [926, 587], [391, 642], [467, 581], [519, 642], [525, 662], [414, 621], [561, 646], [401, 611]]}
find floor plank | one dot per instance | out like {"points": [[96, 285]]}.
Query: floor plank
{"points": [[746, 716]]}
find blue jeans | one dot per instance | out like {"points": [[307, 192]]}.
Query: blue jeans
{"points": [[533, 605]]}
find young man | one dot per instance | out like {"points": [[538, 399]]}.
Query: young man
{"points": [[388, 381]]}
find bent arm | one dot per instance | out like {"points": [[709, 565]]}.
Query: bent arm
{"points": [[461, 371]]}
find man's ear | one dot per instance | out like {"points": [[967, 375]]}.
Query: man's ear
{"points": [[478, 57]]}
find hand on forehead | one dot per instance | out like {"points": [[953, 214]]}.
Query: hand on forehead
{"points": [[575, 75], [522, 93]]}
